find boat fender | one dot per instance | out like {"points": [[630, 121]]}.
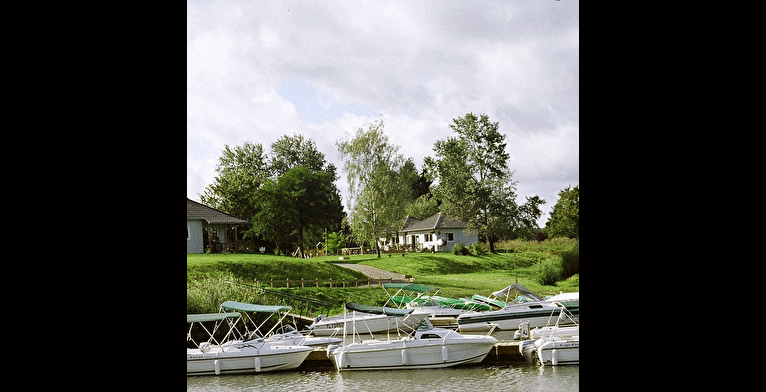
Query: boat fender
{"points": [[554, 357], [217, 366], [404, 357], [341, 360], [445, 356], [258, 364]]}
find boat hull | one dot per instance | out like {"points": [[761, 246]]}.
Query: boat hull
{"points": [[408, 355], [245, 361], [558, 352], [538, 314]]}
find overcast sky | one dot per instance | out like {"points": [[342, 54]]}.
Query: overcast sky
{"points": [[257, 70]]}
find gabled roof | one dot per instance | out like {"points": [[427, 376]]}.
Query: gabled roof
{"points": [[199, 211], [407, 221], [438, 221]]}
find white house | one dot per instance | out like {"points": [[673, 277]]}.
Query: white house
{"points": [[206, 227], [439, 232]]}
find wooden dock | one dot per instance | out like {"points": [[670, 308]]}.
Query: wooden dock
{"points": [[504, 352]]}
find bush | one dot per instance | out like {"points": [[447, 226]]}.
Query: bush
{"points": [[460, 249], [478, 249], [570, 261], [547, 272]]}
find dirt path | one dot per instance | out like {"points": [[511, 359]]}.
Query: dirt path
{"points": [[374, 273]]}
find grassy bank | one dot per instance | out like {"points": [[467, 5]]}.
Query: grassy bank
{"points": [[455, 275]]}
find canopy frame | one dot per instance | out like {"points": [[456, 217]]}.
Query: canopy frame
{"points": [[218, 318], [246, 308]]}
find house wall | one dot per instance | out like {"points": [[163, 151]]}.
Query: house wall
{"points": [[458, 236], [194, 239]]}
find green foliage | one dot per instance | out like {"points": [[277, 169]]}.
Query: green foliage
{"points": [[565, 216], [570, 261], [335, 241], [380, 183], [241, 170], [475, 184], [206, 295], [478, 249], [460, 249], [548, 271], [299, 200]]}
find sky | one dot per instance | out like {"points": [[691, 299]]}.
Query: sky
{"points": [[257, 70]]}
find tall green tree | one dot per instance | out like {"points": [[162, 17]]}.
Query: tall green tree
{"points": [[473, 180], [288, 152], [565, 216], [380, 182], [300, 200], [241, 171]]}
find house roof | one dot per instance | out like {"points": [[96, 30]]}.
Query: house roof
{"points": [[438, 221], [407, 221], [199, 211]]}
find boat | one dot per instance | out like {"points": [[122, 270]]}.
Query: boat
{"points": [[571, 301], [425, 348], [236, 356], [278, 333], [367, 319], [555, 346], [413, 296], [526, 307]]}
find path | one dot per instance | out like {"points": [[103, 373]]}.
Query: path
{"points": [[375, 273]]}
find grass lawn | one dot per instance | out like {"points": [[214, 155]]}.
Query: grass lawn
{"points": [[456, 276]]}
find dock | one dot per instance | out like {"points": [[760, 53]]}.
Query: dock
{"points": [[504, 353]]}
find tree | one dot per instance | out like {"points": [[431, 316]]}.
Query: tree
{"points": [[565, 216], [380, 182], [473, 180], [241, 170], [292, 151], [299, 200]]}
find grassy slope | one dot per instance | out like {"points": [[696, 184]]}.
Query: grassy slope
{"points": [[456, 275]]}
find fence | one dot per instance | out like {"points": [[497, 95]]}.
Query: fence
{"points": [[325, 282]]}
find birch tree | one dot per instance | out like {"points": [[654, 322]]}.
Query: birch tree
{"points": [[380, 182]]}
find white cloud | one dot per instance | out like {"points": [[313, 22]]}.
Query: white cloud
{"points": [[418, 64]]}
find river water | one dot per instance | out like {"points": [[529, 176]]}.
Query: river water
{"points": [[524, 377]]}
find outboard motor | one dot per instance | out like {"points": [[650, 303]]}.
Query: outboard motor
{"points": [[316, 320]]}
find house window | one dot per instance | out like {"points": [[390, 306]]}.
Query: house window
{"points": [[450, 236]]}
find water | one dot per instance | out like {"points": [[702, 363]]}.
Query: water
{"points": [[525, 378]]}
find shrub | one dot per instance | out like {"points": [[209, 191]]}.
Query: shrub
{"points": [[460, 249], [478, 249], [547, 272], [570, 261]]}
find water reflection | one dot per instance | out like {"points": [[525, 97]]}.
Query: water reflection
{"points": [[484, 378]]}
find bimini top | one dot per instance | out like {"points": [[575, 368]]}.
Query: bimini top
{"points": [[420, 288], [378, 309], [519, 288], [245, 307], [201, 318]]}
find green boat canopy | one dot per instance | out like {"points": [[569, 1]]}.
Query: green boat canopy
{"points": [[421, 288], [245, 307], [201, 318], [378, 309]]}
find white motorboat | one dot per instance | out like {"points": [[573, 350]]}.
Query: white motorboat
{"points": [[285, 335], [527, 307], [555, 346], [425, 348], [367, 319], [236, 356], [548, 331]]}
